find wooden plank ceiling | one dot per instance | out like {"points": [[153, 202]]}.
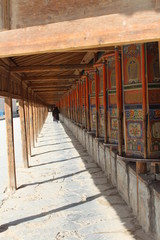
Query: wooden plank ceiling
{"points": [[51, 75]]}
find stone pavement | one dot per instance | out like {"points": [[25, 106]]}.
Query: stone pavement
{"points": [[64, 195]]}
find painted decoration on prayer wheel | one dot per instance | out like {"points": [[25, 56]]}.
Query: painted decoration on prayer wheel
{"points": [[153, 99], [112, 101], [132, 86], [83, 103], [92, 100], [100, 102]]}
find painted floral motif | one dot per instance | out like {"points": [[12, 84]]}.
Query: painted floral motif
{"points": [[132, 50], [101, 116], [134, 145], [114, 135], [155, 65], [93, 86], [114, 124], [100, 72], [133, 70], [113, 79], [156, 130], [113, 112], [155, 147], [135, 130], [154, 114], [134, 114]]}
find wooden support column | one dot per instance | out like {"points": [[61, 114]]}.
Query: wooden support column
{"points": [[69, 105], [23, 134], [10, 143], [142, 167], [72, 104], [81, 102], [119, 100], [36, 115], [77, 103], [87, 104], [159, 54], [27, 127], [97, 102], [104, 102], [4, 15], [34, 122], [31, 123]]}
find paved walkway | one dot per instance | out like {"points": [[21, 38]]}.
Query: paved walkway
{"points": [[64, 195]]}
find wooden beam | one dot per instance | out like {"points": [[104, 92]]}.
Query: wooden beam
{"points": [[63, 84], [50, 90], [101, 31], [45, 78], [4, 15], [10, 143], [51, 68]]}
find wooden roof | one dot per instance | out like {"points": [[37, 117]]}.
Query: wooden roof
{"points": [[51, 75]]}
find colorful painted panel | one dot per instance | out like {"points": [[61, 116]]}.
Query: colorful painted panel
{"points": [[93, 114], [112, 102], [100, 102], [132, 64], [132, 86], [91, 77], [101, 117], [100, 79], [153, 99], [83, 104], [92, 100]]}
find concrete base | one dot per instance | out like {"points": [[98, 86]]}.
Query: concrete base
{"points": [[142, 195]]}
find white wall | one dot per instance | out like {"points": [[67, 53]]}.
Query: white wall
{"points": [[2, 105]]}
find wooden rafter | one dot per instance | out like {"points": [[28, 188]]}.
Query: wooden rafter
{"points": [[53, 78], [46, 68]]}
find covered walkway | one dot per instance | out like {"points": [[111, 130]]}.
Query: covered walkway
{"points": [[64, 195]]}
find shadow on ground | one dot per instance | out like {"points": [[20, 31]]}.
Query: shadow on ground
{"points": [[106, 190]]}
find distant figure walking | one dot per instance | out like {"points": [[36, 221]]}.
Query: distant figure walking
{"points": [[55, 113]]}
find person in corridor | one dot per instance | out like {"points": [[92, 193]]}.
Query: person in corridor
{"points": [[55, 113]]}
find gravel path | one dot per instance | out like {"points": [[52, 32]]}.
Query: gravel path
{"points": [[64, 195]]}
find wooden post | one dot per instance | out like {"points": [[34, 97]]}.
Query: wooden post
{"points": [[77, 103], [155, 166], [104, 102], [85, 107], [97, 102], [81, 102], [36, 111], [119, 100], [23, 133], [142, 167], [159, 54], [27, 127], [34, 122], [31, 122], [10, 144], [69, 105], [87, 104]]}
